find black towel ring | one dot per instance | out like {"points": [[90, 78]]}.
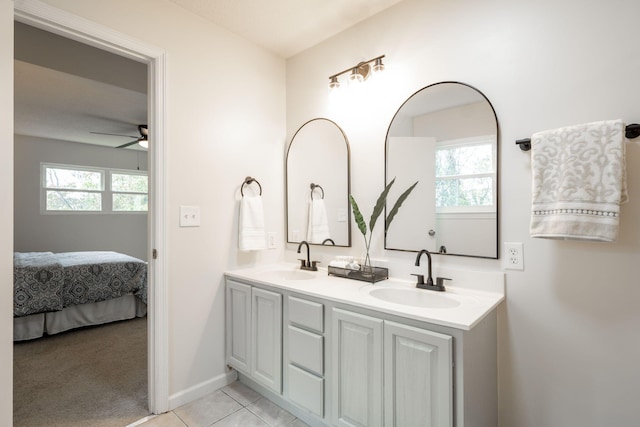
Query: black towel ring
{"points": [[248, 180], [313, 187]]}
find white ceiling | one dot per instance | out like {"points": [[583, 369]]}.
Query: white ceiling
{"points": [[285, 27], [66, 90]]}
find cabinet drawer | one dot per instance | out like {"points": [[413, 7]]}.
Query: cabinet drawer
{"points": [[306, 390], [307, 314], [306, 349]]}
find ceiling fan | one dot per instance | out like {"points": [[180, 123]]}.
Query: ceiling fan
{"points": [[143, 139]]}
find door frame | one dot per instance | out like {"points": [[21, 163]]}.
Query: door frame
{"points": [[57, 21]]}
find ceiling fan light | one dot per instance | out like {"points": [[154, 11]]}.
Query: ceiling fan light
{"points": [[144, 143]]}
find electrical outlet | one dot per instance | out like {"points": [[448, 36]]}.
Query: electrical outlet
{"points": [[513, 256], [271, 240]]}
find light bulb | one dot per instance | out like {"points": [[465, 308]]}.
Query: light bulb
{"points": [[378, 66]]}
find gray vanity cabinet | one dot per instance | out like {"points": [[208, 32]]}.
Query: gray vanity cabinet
{"points": [[416, 375], [304, 354], [357, 369], [254, 333], [335, 364]]}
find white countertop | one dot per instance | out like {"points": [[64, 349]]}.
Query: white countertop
{"points": [[465, 306]]}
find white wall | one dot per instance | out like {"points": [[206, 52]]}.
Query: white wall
{"points": [[568, 346], [225, 120], [6, 215], [33, 231]]}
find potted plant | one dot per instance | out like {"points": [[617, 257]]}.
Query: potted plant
{"points": [[377, 210]]}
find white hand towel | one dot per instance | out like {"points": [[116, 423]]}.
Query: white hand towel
{"points": [[318, 226], [579, 181], [251, 224]]}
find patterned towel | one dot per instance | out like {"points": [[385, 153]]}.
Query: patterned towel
{"points": [[579, 181]]}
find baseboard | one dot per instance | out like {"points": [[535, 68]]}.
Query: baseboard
{"points": [[200, 390]]}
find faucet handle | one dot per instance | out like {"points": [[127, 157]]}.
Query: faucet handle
{"points": [[303, 262], [440, 281], [420, 278], [313, 265]]}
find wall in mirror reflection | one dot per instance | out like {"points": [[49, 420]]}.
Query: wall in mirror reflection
{"points": [[319, 155], [445, 136]]}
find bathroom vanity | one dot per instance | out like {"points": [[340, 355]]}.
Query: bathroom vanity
{"points": [[339, 352]]}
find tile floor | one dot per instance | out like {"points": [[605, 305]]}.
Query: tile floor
{"points": [[235, 405]]}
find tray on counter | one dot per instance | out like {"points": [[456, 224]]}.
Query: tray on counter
{"points": [[375, 274]]}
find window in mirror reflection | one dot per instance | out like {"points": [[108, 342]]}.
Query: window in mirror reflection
{"points": [[465, 175]]}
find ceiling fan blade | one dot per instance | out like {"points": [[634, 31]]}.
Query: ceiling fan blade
{"points": [[114, 134], [128, 144]]}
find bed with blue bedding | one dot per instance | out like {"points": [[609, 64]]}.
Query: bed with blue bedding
{"points": [[55, 292]]}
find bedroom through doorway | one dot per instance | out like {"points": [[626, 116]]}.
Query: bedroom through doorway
{"points": [[81, 229]]}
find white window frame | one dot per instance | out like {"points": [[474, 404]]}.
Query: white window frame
{"points": [[461, 142], [112, 192], [106, 193]]}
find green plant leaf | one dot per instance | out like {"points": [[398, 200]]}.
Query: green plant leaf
{"points": [[358, 216], [379, 207], [396, 207]]}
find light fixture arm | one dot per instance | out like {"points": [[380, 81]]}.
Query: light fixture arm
{"points": [[360, 66]]}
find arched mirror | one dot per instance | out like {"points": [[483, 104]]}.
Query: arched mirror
{"points": [[446, 137], [318, 185]]}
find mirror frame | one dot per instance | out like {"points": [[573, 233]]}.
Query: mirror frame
{"points": [[386, 178], [286, 184]]}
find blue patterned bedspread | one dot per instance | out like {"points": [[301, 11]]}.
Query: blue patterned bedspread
{"points": [[45, 281], [37, 280]]}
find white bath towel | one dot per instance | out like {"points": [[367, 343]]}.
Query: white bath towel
{"points": [[318, 224], [579, 181], [251, 236]]}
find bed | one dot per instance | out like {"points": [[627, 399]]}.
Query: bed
{"points": [[56, 292]]}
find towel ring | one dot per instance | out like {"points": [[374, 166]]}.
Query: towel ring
{"points": [[313, 187], [248, 180], [630, 132]]}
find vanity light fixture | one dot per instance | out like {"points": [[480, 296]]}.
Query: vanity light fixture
{"points": [[358, 73]]}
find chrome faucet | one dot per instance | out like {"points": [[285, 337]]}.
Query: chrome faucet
{"points": [[307, 264], [439, 286]]}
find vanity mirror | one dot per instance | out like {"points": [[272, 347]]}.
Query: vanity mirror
{"points": [[445, 136], [318, 185]]}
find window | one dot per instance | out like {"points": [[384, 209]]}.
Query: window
{"points": [[73, 189], [466, 175], [67, 188], [129, 192]]}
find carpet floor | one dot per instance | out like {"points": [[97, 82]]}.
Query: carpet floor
{"points": [[95, 376]]}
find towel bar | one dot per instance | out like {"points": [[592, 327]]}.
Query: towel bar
{"points": [[631, 131], [248, 180], [313, 187]]}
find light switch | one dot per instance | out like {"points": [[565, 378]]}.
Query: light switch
{"points": [[189, 216], [342, 215]]}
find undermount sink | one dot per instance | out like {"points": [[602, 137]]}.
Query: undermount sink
{"points": [[290, 274], [414, 297]]}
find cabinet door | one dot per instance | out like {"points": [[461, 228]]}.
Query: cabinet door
{"points": [[266, 337], [418, 377], [238, 306], [356, 369]]}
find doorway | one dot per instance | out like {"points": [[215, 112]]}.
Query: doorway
{"points": [[67, 25]]}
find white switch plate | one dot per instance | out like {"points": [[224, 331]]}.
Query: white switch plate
{"points": [[189, 216], [271, 240], [513, 256], [342, 215]]}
